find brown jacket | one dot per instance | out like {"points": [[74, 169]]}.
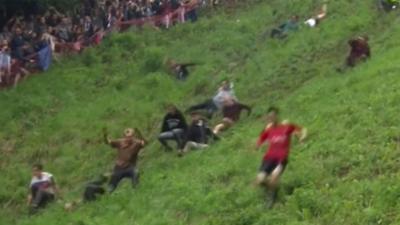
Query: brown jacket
{"points": [[128, 150]]}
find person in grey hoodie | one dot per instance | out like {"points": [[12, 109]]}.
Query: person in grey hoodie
{"points": [[216, 103]]}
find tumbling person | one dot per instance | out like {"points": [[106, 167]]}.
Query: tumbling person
{"points": [[360, 51], [231, 114], [316, 20], [198, 134], [43, 188], [95, 188], [212, 106], [180, 70], [173, 128], [275, 159], [128, 149]]}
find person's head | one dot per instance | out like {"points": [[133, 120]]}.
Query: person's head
{"points": [[129, 132], [18, 31], [37, 170], [225, 85], [272, 116], [295, 18], [196, 116], [42, 20], [172, 109]]}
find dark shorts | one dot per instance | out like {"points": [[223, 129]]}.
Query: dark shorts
{"points": [[268, 166]]}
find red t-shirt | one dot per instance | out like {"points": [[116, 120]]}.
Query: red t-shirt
{"points": [[278, 138]]}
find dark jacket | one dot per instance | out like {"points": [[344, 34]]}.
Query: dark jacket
{"points": [[199, 132], [174, 121]]}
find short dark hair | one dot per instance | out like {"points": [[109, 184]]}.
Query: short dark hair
{"points": [[273, 109], [37, 166]]}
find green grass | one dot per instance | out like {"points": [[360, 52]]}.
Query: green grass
{"points": [[346, 173]]}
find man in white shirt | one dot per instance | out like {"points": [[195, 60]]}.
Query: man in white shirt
{"points": [[42, 188]]}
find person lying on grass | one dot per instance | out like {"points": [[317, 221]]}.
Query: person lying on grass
{"points": [[96, 188], [198, 134], [389, 5], [284, 29], [173, 128], [42, 189], [128, 149], [316, 20], [276, 157], [231, 114], [211, 106], [180, 70]]}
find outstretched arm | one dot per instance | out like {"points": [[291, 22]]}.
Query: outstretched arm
{"points": [[263, 137], [303, 135], [139, 136], [106, 139]]}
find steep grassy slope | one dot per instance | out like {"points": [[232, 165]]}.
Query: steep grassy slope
{"points": [[345, 174]]}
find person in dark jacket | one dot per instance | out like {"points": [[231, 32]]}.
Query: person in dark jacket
{"points": [[180, 70], [231, 114], [360, 51], [198, 134], [173, 128], [95, 188]]}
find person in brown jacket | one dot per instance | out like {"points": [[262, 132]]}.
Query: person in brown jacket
{"points": [[128, 149], [360, 51], [231, 114]]}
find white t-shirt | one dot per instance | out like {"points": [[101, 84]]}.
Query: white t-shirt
{"points": [[311, 22], [44, 182]]}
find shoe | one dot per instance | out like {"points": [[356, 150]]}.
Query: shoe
{"points": [[271, 199]]}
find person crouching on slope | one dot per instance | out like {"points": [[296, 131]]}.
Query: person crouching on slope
{"points": [[231, 114], [128, 149], [275, 159], [198, 134], [174, 127]]}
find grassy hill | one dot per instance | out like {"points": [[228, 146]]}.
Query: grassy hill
{"points": [[346, 173]]}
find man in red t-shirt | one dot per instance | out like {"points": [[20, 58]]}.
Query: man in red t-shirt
{"points": [[275, 159]]}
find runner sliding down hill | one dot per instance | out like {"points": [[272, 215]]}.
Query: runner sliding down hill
{"points": [[275, 160], [128, 149]]}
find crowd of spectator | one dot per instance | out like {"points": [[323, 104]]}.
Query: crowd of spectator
{"points": [[24, 36]]}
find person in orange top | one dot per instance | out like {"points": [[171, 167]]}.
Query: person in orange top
{"points": [[278, 135]]}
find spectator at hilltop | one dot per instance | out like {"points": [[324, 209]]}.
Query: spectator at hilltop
{"points": [[85, 26]]}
